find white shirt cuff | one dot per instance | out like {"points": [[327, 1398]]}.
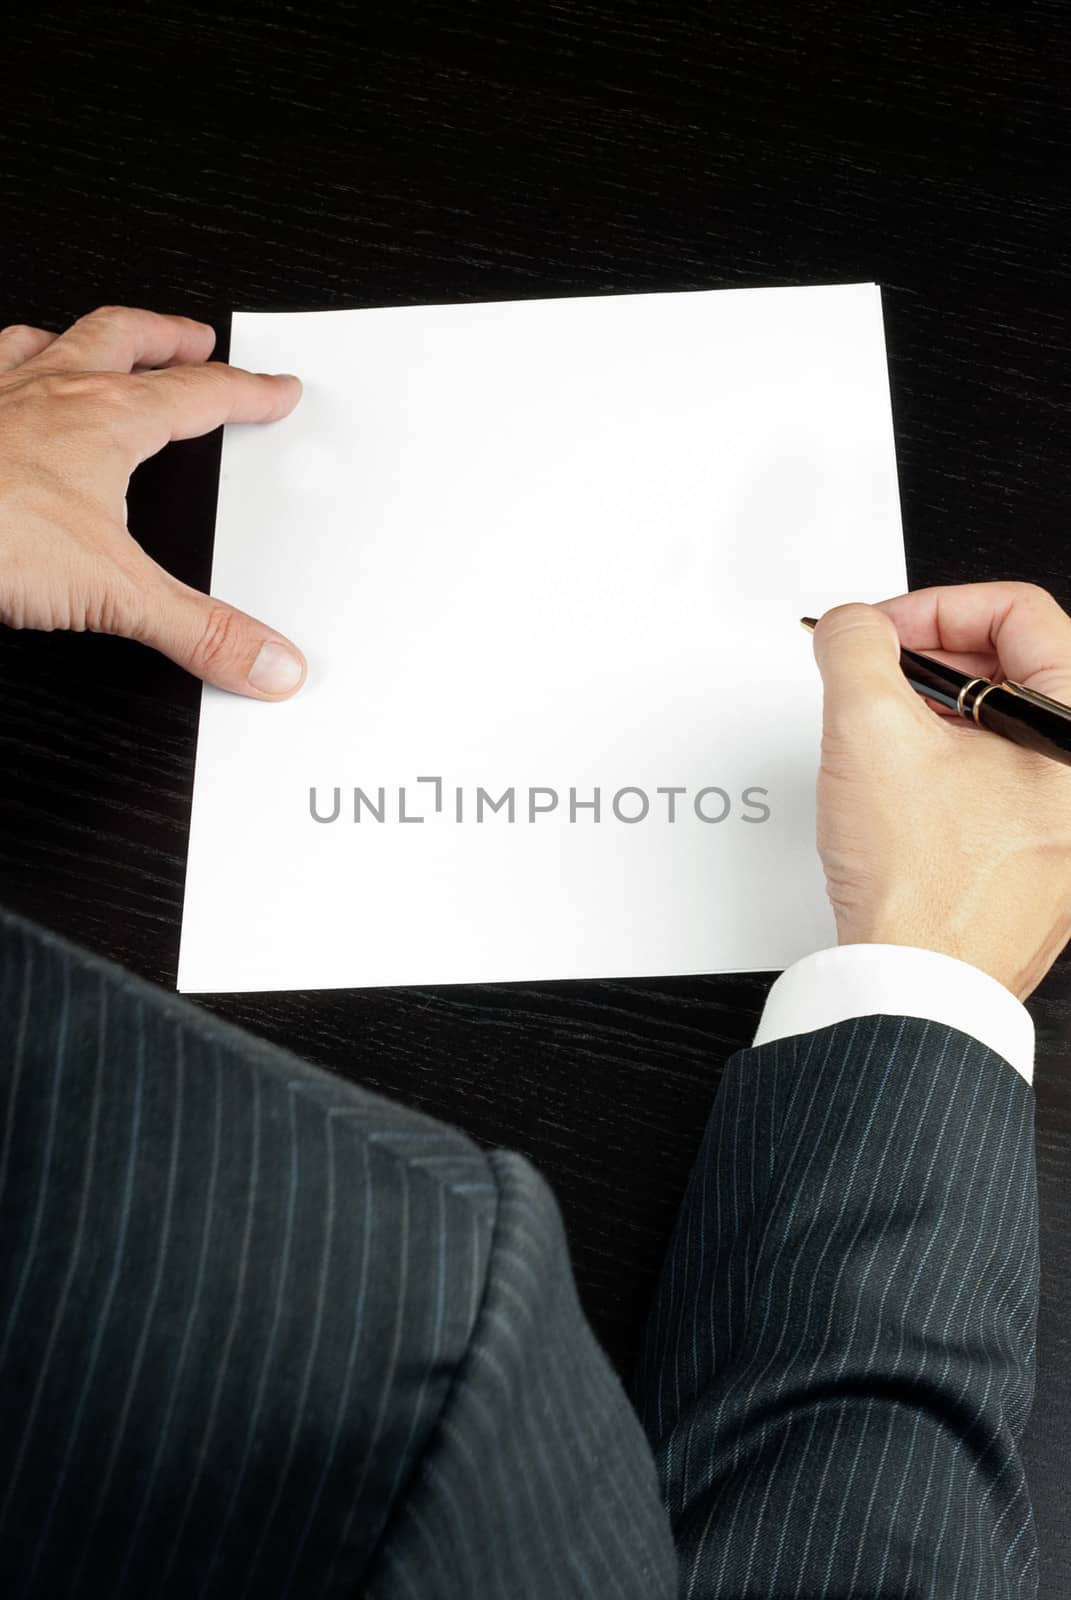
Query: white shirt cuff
{"points": [[862, 980]]}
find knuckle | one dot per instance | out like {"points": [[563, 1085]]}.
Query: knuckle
{"points": [[1031, 591], [97, 388], [219, 638], [199, 378], [215, 372], [110, 315]]}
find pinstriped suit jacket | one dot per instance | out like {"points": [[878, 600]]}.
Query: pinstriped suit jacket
{"points": [[263, 1333]]}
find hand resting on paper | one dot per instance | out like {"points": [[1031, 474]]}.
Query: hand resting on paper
{"points": [[78, 412], [932, 832]]}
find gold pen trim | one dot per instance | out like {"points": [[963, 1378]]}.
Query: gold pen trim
{"points": [[1035, 697], [969, 685], [981, 697]]}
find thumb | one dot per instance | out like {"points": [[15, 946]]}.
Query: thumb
{"points": [[218, 643], [857, 649]]}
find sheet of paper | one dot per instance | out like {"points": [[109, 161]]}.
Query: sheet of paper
{"points": [[538, 554]]}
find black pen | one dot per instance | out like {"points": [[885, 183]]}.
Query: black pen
{"points": [[1022, 715]]}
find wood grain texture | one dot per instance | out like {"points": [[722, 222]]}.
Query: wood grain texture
{"points": [[276, 157]]}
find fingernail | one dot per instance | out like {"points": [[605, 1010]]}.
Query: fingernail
{"points": [[276, 669]]}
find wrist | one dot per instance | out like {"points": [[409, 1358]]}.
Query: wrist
{"points": [[943, 941]]}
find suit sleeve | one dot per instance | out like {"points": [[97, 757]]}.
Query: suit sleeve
{"points": [[840, 1360]]}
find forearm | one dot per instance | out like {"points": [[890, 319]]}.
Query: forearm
{"points": [[840, 1360]]}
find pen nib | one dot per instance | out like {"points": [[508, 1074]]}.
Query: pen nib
{"points": [[809, 623]]}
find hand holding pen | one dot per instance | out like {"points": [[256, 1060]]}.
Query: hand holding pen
{"points": [[931, 832], [1025, 716]]}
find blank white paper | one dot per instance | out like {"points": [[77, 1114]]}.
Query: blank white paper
{"points": [[533, 549]]}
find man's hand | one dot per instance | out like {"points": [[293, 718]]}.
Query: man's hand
{"points": [[933, 832], [78, 412]]}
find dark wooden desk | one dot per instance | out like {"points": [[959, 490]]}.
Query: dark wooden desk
{"points": [[291, 158]]}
